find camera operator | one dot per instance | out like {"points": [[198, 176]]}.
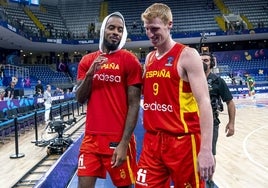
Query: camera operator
{"points": [[218, 91]]}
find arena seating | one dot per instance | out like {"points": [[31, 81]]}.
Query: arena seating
{"points": [[16, 14], [75, 17], [255, 10], [49, 76], [188, 16], [51, 18], [78, 15]]}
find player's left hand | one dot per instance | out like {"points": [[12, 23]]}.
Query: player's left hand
{"points": [[206, 165], [119, 156]]}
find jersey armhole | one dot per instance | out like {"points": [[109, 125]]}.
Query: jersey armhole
{"points": [[147, 60]]}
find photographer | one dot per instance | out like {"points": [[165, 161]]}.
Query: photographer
{"points": [[9, 91], [39, 89], [218, 91]]}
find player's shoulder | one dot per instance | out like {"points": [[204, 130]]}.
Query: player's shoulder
{"points": [[126, 52], [189, 56], [88, 58], [128, 56], [189, 51], [91, 55]]}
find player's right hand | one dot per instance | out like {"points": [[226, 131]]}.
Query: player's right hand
{"points": [[96, 65]]}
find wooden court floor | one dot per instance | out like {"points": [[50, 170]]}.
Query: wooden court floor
{"points": [[242, 160]]}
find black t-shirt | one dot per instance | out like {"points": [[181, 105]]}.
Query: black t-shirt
{"points": [[218, 88], [39, 87], [9, 89], [218, 91]]}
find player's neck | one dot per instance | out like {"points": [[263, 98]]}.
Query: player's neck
{"points": [[165, 48]]}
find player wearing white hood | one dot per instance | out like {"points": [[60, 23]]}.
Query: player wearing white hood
{"points": [[109, 80]]}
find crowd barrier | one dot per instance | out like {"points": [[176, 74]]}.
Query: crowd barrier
{"points": [[32, 113]]}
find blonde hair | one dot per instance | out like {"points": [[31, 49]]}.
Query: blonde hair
{"points": [[159, 10]]}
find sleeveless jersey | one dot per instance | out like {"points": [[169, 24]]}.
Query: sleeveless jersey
{"points": [[107, 106], [169, 105]]}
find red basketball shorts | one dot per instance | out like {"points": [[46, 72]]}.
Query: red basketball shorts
{"points": [[165, 158], [95, 160]]}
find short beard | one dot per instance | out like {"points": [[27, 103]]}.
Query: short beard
{"points": [[110, 46], [205, 67]]}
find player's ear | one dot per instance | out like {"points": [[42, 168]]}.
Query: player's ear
{"points": [[170, 24]]}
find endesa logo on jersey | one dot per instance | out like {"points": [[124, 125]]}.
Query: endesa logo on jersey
{"points": [[158, 107], [107, 77]]}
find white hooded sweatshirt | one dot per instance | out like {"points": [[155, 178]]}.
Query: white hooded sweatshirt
{"points": [[124, 36]]}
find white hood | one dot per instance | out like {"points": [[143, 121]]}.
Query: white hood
{"points": [[124, 36]]}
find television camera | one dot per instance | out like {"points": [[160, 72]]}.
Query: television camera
{"points": [[59, 144]]}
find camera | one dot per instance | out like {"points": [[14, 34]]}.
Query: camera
{"points": [[57, 125], [60, 144]]}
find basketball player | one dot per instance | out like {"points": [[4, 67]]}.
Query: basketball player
{"points": [[251, 86], [109, 80], [177, 113]]}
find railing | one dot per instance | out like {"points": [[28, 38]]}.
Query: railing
{"points": [[16, 71]]}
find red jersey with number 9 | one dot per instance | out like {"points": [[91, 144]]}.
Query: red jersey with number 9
{"points": [[169, 105]]}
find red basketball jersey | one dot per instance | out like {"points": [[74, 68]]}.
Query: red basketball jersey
{"points": [[169, 104], [107, 106]]}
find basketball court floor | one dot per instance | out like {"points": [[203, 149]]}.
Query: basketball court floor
{"points": [[241, 159]]}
